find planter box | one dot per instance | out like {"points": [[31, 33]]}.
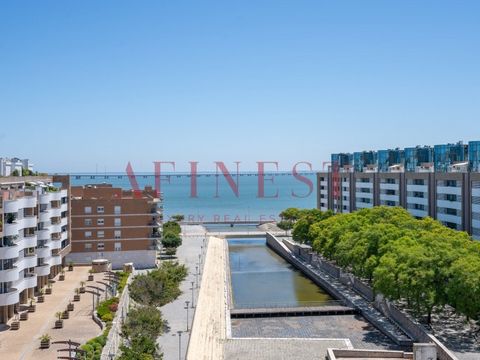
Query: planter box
{"points": [[58, 324], [76, 297], [23, 316], [70, 307], [40, 299], [15, 325], [90, 277], [61, 278], [32, 308], [70, 267], [82, 290], [48, 291], [44, 344], [65, 314]]}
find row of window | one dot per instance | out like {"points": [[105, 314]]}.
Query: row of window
{"points": [[116, 222], [101, 246], [117, 234], [101, 209]]}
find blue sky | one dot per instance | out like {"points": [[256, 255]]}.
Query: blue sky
{"points": [[92, 84]]}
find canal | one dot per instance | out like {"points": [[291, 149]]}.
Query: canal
{"points": [[261, 278]]}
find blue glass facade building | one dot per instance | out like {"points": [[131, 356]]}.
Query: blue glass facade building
{"points": [[474, 156], [448, 154]]}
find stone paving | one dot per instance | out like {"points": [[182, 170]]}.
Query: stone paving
{"points": [[361, 333], [281, 349], [175, 312], [24, 343]]}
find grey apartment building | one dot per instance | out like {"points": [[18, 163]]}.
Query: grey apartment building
{"points": [[442, 182]]}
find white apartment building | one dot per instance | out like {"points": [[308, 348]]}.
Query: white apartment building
{"points": [[34, 238], [8, 166]]}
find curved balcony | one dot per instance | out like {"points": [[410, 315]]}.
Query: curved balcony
{"points": [[26, 262], [29, 222], [28, 241], [44, 216], [56, 244], [9, 298], [55, 212], [11, 229], [44, 234], [43, 270], [30, 281], [45, 198], [56, 260], [64, 221], [55, 228], [28, 202], [10, 252], [64, 235], [43, 252], [11, 206], [9, 275], [64, 207]]}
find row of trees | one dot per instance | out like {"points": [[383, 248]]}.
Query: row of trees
{"points": [[419, 261], [144, 323], [171, 239]]}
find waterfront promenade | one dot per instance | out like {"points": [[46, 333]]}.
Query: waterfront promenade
{"points": [[209, 326]]}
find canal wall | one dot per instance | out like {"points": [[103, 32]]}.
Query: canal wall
{"points": [[415, 331]]}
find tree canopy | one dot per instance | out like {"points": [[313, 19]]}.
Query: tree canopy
{"points": [[420, 261]]}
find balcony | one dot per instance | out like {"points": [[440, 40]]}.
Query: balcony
{"points": [[11, 206], [386, 197], [44, 216], [9, 275], [43, 270], [388, 186], [9, 298], [416, 200], [29, 222], [10, 252], [43, 251], [450, 218], [11, 229], [44, 234], [457, 205], [449, 190], [418, 188], [418, 213]]}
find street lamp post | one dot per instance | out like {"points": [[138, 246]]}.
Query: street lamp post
{"points": [[186, 308], [193, 282], [179, 344], [196, 274]]}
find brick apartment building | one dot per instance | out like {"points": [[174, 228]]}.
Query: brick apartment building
{"points": [[114, 224]]}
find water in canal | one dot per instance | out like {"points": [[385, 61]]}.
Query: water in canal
{"points": [[261, 278]]}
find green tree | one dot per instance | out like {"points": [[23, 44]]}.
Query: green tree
{"points": [[178, 217], [170, 240], [15, 173]]}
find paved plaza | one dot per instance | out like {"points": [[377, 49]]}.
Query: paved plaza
{"points": [[361, 333], [175, 313], [24, 343]]}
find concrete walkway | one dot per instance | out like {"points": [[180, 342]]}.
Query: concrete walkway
{"points": [[209, 327], [175, 313], [24, 343]]}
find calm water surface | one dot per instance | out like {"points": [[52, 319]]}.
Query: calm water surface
{"points": [[261, 278]]}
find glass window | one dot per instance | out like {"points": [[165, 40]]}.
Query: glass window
{"points": [[100, 222], [88, 209], [100, 209], [118, 209]]}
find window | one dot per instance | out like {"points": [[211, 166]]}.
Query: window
{"points": [[88, 234], [100, 209], [118, 222], [100, 246], [118, 234], [118, 209], [88, 246], [101, 234], [100, 222], [118, 246], [88, 209], [88, 222]]}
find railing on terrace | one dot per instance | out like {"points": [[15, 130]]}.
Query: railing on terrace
{"points": [[114, 339], [279, 305]]}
